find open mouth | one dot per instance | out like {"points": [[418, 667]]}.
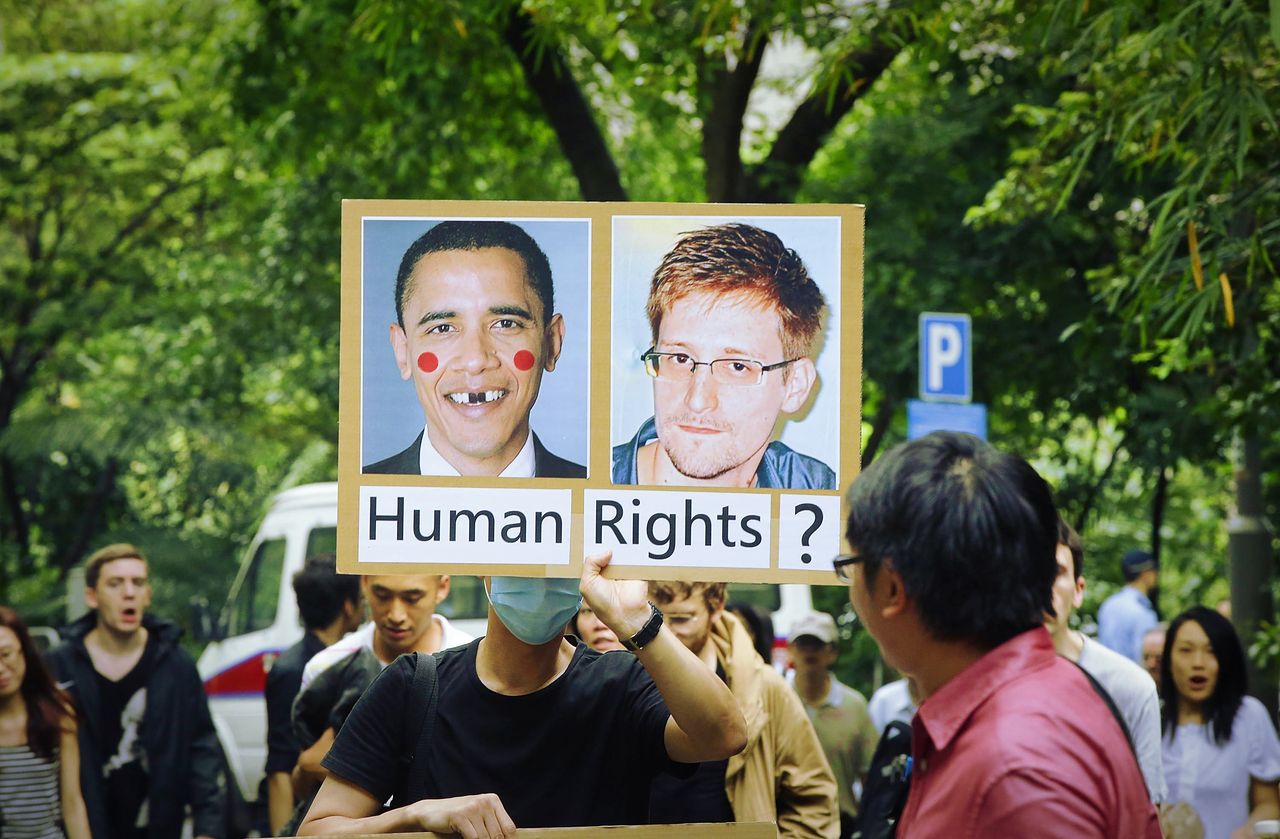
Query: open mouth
{"points": [[1198, 682], [477, 397]]}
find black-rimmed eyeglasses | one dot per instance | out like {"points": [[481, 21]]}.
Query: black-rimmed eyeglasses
{"points": [[842, 565], [734, 372]]}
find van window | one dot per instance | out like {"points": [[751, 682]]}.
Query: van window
{"points": [[322, 540], [253, 606], [765, 595]]}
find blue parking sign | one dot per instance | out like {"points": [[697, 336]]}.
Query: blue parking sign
{"points": [[946, 359]]}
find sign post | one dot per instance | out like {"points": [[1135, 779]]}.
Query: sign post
{"points": [[946, 379]]}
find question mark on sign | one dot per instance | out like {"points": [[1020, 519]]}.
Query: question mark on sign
{"points": [[811, 529]]}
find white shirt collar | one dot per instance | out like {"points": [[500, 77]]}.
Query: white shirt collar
{"points": [[431, 462]]}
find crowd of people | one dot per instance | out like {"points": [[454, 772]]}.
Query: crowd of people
{"points": [[600, 701]]}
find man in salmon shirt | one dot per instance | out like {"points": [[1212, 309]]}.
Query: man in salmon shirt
{"points": [[952, 573]]}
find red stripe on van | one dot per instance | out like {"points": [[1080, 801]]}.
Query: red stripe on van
{"points": [[248, 676]]}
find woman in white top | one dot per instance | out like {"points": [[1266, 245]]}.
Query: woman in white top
{"points": [[1220, 752], [39, 758]]}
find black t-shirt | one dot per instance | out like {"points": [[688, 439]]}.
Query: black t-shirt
{"points": [[698, 798], [580, 752], [124, 772], [283, 682]]}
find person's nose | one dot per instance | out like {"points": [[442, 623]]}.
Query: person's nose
{"points": [[476, 352], [397, 613], [702, 394]]}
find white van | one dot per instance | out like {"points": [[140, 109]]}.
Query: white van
{"points": [[260, 620]]}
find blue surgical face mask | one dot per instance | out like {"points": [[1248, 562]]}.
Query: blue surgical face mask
{"points": [[534, 609]]}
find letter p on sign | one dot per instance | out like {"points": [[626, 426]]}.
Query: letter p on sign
{"points": [[945, 358]]}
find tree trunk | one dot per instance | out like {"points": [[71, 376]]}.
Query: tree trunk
{"points": [[1249, 547]]}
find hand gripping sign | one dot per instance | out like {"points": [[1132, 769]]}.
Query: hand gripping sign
{"points": [[523, 383]]}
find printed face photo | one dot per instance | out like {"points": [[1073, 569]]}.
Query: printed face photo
{"points": [[719, 373], [475, 344], [710, 426], [473, 329]]}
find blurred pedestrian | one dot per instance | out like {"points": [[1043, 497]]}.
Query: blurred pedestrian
{"points": [[1153, 650], [1125, 682], [39, 757], [952, 573], [330, 606], [837, 711], [1125, 616], [148, 750], [782, 775], [593, 632], [893, 701], [759, 626], [1221, 754]]}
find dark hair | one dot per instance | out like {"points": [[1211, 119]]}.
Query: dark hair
{"points": [[971, 530], [321, 590], [473, 236], [93, 565], [1067, 536], [663, 592], [1222, 705], [759, 626], [740, 258], [47, 704]]}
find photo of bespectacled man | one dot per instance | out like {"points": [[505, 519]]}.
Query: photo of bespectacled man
{"points": [[719, 374], [474, 351]]}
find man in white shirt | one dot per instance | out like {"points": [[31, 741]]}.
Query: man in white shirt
{"points": [[892, 701], [475, 330], [402, 619], [1132, 691]]}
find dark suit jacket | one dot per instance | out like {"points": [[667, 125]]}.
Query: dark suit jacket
{"points": [[545, 464]]}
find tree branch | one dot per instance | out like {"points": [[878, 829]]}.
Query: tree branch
{"points": [[88, 518], [778, 176], [722, 125], [884, 415], [567, 110]]}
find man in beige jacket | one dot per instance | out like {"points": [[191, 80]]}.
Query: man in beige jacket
{"points": [[782, 775]]}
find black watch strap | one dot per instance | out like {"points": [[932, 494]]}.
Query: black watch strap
{"points": [[647, 633]]}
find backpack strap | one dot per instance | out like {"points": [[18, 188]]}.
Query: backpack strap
{"points": [[424, 695]]}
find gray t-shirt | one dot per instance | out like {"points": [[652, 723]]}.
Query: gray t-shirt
{"points": [[1134, 692]]}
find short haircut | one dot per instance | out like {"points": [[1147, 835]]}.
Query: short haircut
{"points": [[474, 236], [1067, 536], [713, 594], [741, 259], [971, 530], [321, 590], [1221, 706], [120, 550]]}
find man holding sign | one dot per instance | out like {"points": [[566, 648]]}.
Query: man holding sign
{"points": [[530, 730], [734, 317], [475, 330]]}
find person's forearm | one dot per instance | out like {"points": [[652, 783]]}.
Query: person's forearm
{"points": [[698, 700], [392, 821], [279, 800]]}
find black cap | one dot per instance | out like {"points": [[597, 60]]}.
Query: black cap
{"points": [[1135, 562]]}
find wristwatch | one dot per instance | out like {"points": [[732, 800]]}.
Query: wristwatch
{"points": [[647, 633]]}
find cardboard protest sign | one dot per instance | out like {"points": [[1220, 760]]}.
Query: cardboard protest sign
{"points": [[526, 382]]}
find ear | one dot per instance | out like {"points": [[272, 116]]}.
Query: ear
{"points": [[891, 594], [90, 597], [1077, 599], [554, 339], [442, 589], [800, 380], [400, 346]]}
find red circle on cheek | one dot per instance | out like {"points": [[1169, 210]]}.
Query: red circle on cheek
{"points": [[427, 362], [524, 360]]}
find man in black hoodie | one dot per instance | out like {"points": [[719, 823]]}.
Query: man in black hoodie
{"points": [[147, 745]]}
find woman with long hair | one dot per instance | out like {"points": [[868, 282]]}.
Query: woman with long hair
{"points": [[39, 759], [1221, 754]]}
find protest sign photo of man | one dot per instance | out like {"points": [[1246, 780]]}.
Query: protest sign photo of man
{"points": [[735, 320], [475, 330]]}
